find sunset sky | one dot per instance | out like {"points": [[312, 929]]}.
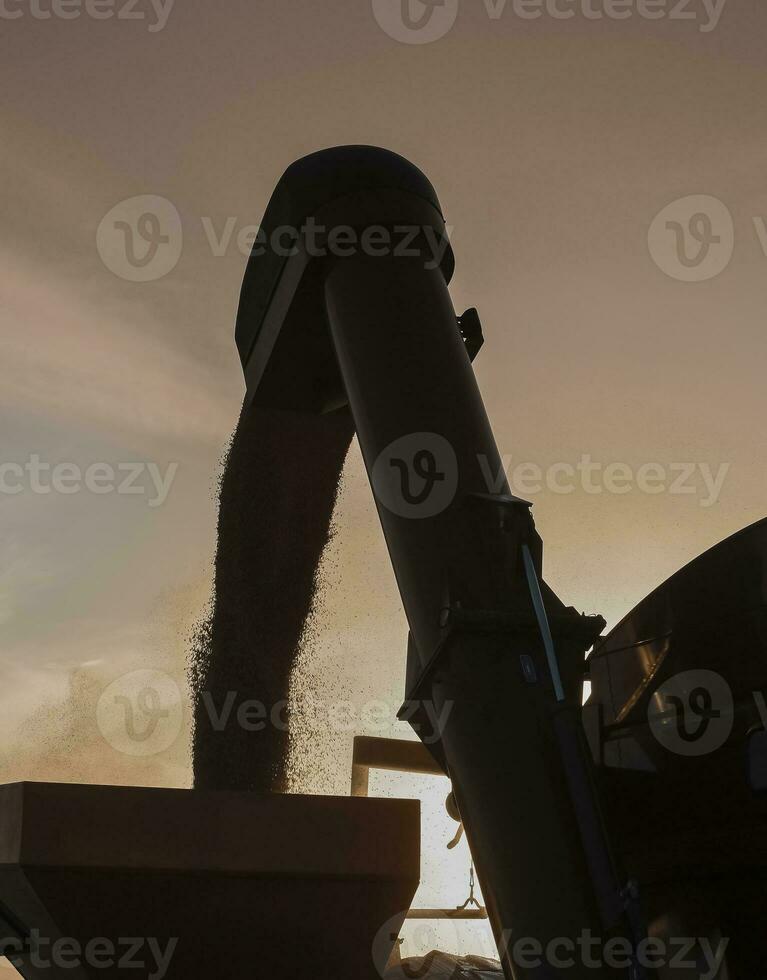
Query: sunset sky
{"points": [[553, 144]]}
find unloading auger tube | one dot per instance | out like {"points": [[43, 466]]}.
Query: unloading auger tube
{"points": [[345, 307]]}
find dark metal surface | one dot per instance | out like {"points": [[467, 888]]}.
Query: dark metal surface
{"points": [[710, 615], [281, 330], [249, 885], [691, 827], [406, 371], [306, 189]]}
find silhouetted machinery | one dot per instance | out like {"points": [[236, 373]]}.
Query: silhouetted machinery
{"points": [[626, 838], [635, 820]]}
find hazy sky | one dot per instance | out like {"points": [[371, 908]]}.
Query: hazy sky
{"points": [[553, 145]]}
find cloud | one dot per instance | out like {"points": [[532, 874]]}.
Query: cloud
{"points": [[108, 367]]}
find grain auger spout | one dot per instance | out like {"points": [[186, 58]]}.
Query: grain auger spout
{"points": [[345, 308]]}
